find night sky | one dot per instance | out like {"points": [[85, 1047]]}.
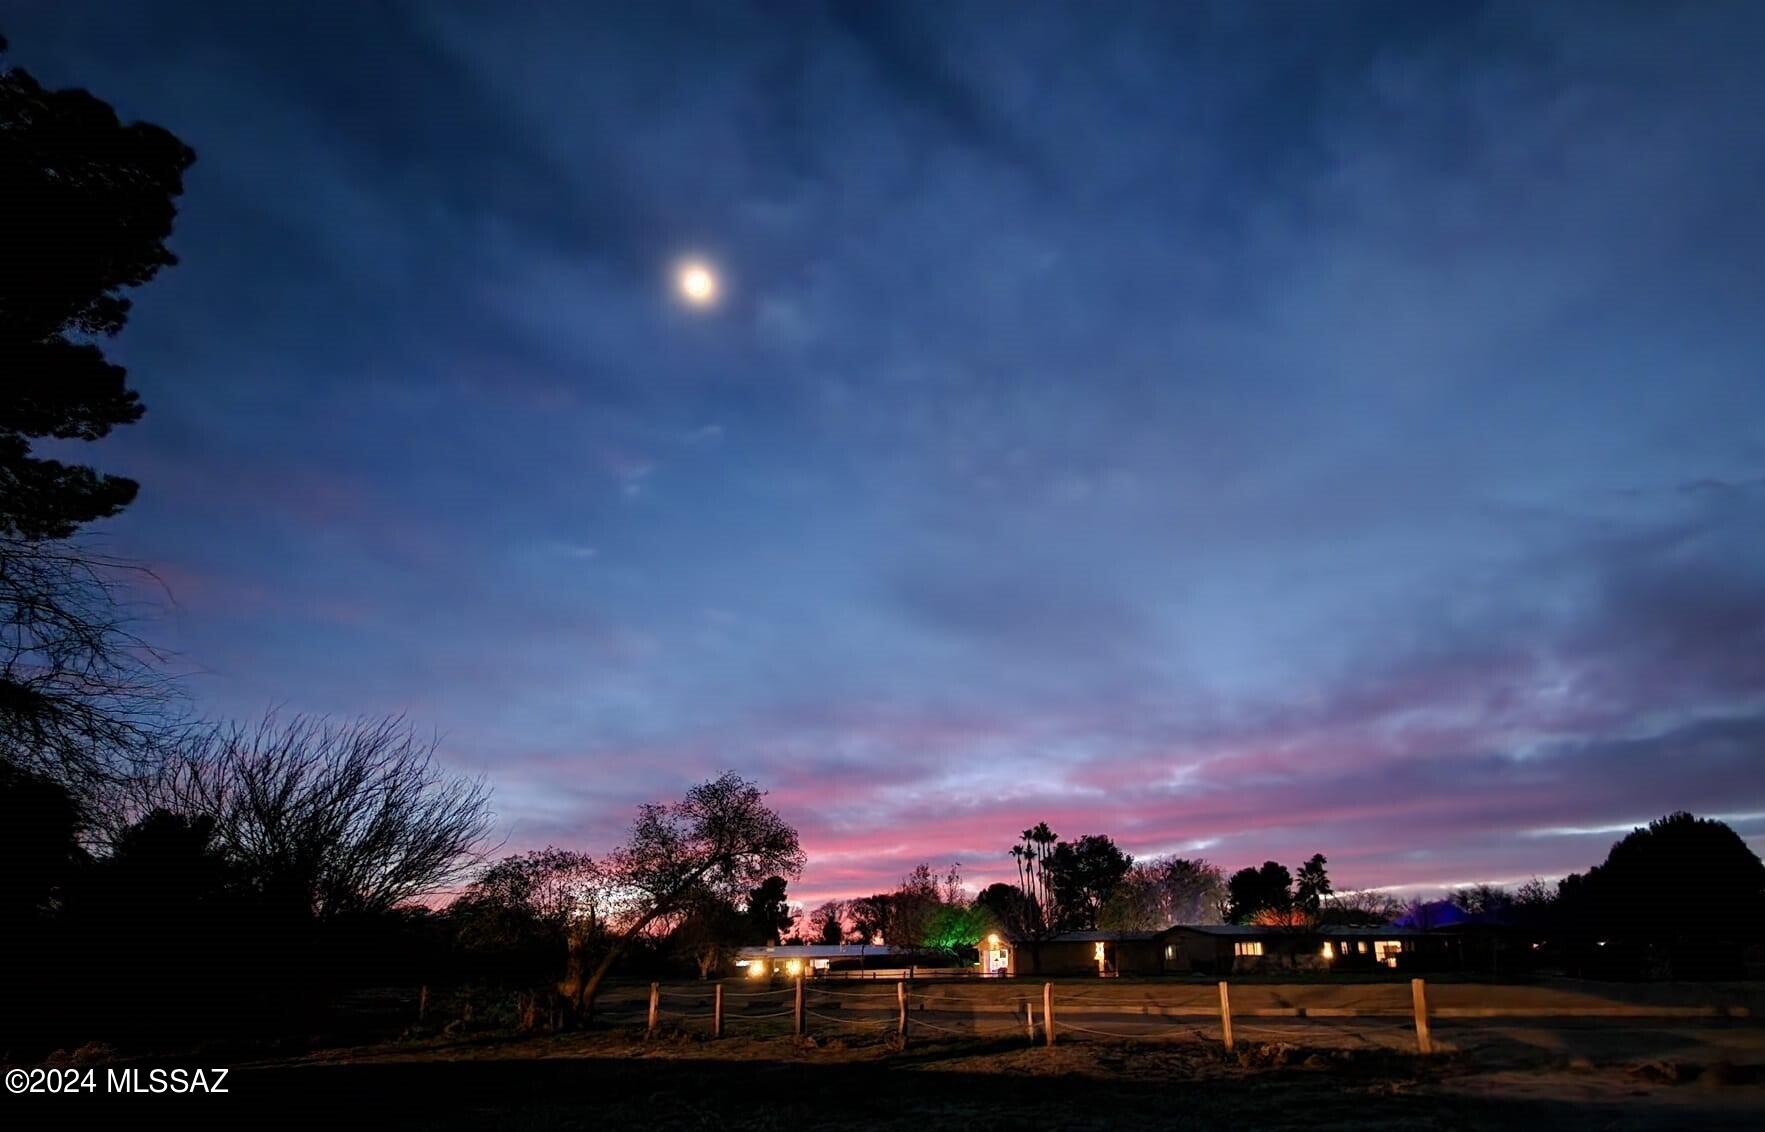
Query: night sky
{"points": [[1247, 432]]}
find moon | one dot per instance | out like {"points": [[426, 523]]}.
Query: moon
{"points": [[697, 283]]}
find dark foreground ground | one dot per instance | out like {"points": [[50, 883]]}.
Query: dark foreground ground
{"points": [[613, 1081]]}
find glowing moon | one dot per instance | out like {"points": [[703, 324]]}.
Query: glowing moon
{"points": [[697, 283]]}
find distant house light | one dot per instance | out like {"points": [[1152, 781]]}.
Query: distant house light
{"points": [[1329, 952], [1247, 947]]}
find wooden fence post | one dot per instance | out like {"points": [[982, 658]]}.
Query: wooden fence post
{"points": [[1226, 1013], [423, 1002], [801, 1030], [1419, 1000], [1048, 1011], [901, 1007], [655, 1006], [717, 1011], [1029, 1020]]}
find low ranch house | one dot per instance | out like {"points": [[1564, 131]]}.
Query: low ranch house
{"points": [[786, 960], [1221, 949], [1241, 948], [1079, 953]]}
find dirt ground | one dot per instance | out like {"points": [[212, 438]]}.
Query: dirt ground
{"points": [[608, 1081], [611, 1081], [1319, 1073]]}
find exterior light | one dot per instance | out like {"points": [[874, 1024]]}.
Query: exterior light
{"points": [[793, 967], [1329, 952], [756, 970], [1097, 951], [993, 940]]}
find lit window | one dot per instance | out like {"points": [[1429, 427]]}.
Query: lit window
{"points": [[1171, 952], [1329, 952], [1247, 947], [1097, 951]]}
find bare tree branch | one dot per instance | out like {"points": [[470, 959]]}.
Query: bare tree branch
{"points": [[332, 818], [83, 698]]}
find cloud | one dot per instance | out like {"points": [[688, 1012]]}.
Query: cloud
{"points": [[1271, 431]]}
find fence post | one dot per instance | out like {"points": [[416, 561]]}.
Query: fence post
{"points": [[423, 1002], [655, 1006], [901, 1008], [1048, 1011], [1419, 1000], [799, 1009], [1029, 1020], [1226, 1013], [717, 1010]]}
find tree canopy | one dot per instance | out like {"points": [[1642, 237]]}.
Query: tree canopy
{"points": [[1678, 866], [721, 840], [1253, 891], [1084, 873], [90, 205]]}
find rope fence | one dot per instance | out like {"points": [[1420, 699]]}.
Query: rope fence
{"points": [[1382, 1017]]}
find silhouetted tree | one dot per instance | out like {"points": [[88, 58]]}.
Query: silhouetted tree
{"points": [[934, 913], [325, 819], [1311, 884], [89, 207], [710, 928], [538, 913], [721, 837], [827, 923], [1482, 901], [1005, 903], [39, 845], [89, 204], [1031, 855], [1679, 898], [1360, 909], [925, 912], [914, 904], [873, 917], [1163, 891], [1083, 874], [1194, 890], [1136, 904], [1252, 892], [188, 917], [767, 915]]}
